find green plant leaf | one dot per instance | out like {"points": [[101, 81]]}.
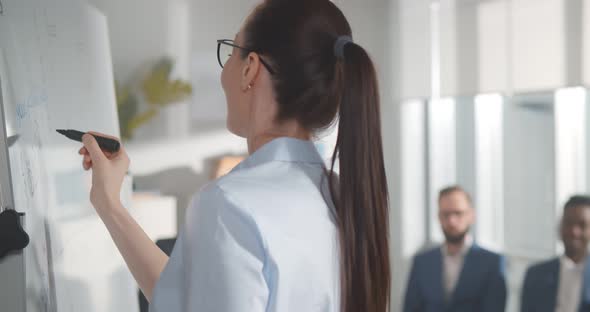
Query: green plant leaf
{"points": [[140, 119], [159, 90]]}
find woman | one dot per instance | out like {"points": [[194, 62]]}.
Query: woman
{"points": [[280, 232]]}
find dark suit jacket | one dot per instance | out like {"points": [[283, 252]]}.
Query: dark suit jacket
{"points": [[541, 282], [481, 286]]}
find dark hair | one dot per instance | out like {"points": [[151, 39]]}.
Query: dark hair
{"points": [[313, 86], [452, 189], [577, 201]]}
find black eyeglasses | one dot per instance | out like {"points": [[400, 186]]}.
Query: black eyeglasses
{"points": [[225, 50]]}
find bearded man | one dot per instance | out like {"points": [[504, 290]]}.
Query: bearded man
{"points": [[459, 275]]}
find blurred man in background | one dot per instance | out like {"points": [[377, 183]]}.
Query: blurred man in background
{"points": [[459, 275], [563, 284]]}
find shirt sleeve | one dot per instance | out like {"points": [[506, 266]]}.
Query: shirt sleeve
{"points": [[224, 256]]}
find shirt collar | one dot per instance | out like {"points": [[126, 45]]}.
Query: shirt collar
{"points": [[283, 149], [568, 264]]}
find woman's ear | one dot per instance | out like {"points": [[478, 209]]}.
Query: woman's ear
{"points": [[250, 71]]}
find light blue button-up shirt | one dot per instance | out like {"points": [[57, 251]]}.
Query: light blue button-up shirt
{"points": [[261, 238]]}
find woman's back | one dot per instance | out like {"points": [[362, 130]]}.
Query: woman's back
{"points": [[267, 237], [261, 238]]}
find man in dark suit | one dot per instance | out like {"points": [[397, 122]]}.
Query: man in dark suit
{"points": [[563, 284], [458, 276]]}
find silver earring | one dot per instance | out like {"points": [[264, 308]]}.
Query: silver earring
{"points": [[249, 87]]}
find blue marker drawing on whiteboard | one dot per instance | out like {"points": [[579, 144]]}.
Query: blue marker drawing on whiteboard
{"points": [[32, 101], [21, 111], [27, 174]]}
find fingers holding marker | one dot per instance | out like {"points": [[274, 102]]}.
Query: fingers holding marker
{"points": [[99, 149], [86, 163], [95, 152], [104, 135], [105, 142], [86, 166]]}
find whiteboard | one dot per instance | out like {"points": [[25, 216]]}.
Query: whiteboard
{"points": [[56, 72]]}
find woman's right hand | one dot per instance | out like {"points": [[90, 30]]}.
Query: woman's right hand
{"points": [[108, 172], [145, 260]]}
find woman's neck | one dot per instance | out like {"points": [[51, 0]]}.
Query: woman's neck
{"points": [[257, 141]]}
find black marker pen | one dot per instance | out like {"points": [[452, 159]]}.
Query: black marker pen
{"points": [[106, 144]]}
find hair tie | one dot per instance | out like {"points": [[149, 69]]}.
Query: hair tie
{"points": [[339, 45]]}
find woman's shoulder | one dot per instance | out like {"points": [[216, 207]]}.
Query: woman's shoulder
{"points": [[234, 192], [213, 194], [230, 194], [215, 203], [217, 220], [257, 191], [251, 190]]}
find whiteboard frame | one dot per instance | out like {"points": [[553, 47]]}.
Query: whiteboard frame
{"points": [[12, 268], [6, 194]]}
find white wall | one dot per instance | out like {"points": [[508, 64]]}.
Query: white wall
{"points": [[212, 20], [587, 144], [136, 40], [414, 45], [458, 52], [585, 43], [442, 157], [570, 144], [465, 141], [537, 38], [529, 186], [489, 164], [410, 214], [488, 46], [492, 43]]}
